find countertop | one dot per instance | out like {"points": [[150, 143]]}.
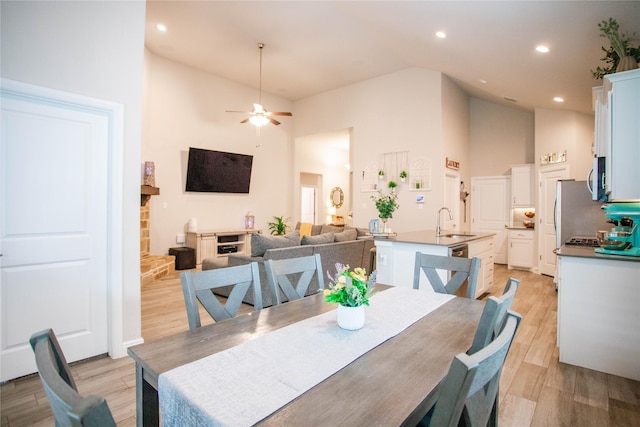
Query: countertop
{"points": [[584, 252], [428, 237]]}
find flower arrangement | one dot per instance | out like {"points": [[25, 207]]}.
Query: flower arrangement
{"points": [[350, 288], [618, 50], [386, 204]]}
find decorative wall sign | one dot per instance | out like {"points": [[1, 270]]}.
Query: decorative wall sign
{"points": [[551, 158], [452, 164]]}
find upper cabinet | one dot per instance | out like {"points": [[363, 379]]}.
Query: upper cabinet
{"points": [[617, 135], [522, 186]]}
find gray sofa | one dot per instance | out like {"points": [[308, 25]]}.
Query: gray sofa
{"points": [[356, 252]]}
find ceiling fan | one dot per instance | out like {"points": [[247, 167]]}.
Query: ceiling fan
{"points": [[259, 116]]}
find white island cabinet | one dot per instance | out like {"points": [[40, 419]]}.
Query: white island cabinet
{"points": [[598, 312], [395, 257]]}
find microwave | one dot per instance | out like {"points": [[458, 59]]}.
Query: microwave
{"points": [[597, 180]]}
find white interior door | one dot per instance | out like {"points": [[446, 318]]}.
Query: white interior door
{"points": [[308, 205], [54, 187], [490, 198], [452, 201], [548, 178]]}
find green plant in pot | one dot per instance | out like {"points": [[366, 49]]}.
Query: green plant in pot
{"points": [[279, 226], [620, 56], [386, 204]]}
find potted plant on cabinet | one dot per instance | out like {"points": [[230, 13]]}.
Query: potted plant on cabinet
{"points": [[386, 204], [620, 56]]}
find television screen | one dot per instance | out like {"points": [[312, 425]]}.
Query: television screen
{"points": [[218, 172]]}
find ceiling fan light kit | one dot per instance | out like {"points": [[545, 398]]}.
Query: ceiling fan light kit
{"points": [[259, 116]]}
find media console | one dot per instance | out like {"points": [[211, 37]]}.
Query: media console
{"points": [[220, 243]]}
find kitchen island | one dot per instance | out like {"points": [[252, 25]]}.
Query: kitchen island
{"points": [[599, 311], [395, 256]]}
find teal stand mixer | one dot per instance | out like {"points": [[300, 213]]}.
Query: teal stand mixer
{"points": [[624, 237]]}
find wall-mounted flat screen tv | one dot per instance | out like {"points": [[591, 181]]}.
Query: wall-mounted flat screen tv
{"points": [[218, 172]]}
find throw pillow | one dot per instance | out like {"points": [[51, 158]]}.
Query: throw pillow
{"points": [[317, 240], [346, 235], [260, 243], [361, 231]]}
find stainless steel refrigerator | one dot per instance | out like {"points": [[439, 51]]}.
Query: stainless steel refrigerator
{"points": [[576, 214]]}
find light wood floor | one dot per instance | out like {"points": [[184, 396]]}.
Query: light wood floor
{"points": [[535, 389]]}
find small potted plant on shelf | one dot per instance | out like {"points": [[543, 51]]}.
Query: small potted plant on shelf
{"points": [[392, 184], [279, 226], [403, 175], [620, 56], [380, 174]]}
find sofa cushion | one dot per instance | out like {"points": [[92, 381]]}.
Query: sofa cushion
{"points": [[330, 229], [346, 235], [362, 232], [317, 240], [315, 228], [261, 243]]}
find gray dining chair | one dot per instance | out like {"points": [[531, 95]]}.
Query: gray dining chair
{"points": [[69, 408], [493, 316], [200, 286], [461, 269], [283, 273], [468, 393]]}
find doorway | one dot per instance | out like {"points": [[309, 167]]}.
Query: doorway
{"points": [[310, 183]]}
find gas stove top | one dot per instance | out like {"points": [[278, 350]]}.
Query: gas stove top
{"points": [[589, 242]]}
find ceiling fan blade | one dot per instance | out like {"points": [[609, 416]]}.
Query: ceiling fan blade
{"points": [[280, 113], [245, 120], [235, 111], [274, 121]]}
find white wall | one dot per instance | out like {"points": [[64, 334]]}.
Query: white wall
{"points": [[93, 49], [185, 107], [456, 139], [398, 112], [500, 136], [324, 154], [558, 130]]}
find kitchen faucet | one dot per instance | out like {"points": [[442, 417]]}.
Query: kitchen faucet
{"points": [[438, 222]]}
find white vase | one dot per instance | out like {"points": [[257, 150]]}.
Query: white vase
{"points": [[350, 318]]}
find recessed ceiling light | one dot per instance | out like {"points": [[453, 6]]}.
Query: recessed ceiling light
{"points": [[161, 27], [558, 99], [441, 34], [542, 49]]}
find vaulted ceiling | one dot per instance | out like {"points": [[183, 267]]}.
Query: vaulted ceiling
{"points": [[315, 46]]}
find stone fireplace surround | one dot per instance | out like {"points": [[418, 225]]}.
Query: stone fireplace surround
{"points": [[152, 267]]}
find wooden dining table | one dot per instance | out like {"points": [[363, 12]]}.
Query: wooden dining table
{"points": [[395, 383]]}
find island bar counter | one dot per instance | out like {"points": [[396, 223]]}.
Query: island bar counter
{"points": [[395, 256]]}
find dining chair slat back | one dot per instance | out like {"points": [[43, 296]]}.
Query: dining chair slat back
{"points": [[69, 408], [462, 269], [493, 316], [200, 286], [470, 388], [283, 273]]}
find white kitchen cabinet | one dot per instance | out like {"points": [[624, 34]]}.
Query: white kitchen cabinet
{"points": [[483, 249], [598, 316], [521, 249], [522, 186], [621, 97], [624, 109]]}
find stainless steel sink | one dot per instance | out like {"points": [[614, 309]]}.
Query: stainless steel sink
{"points": [[457, 236]]}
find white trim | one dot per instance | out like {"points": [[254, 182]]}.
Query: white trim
{"points": [[115, 113]]}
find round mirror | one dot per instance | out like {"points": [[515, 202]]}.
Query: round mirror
{"points": [[337, 197]]}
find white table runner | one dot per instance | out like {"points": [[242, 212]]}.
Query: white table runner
{"points": [[244, 384]]}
